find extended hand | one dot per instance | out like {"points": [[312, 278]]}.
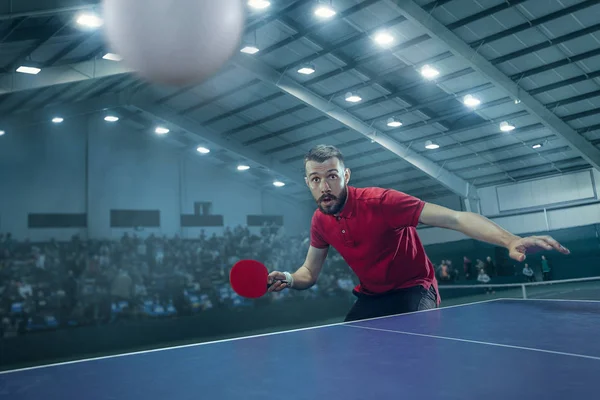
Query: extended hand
{"points": [[532, 244]]}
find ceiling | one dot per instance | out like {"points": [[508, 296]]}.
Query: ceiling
{"points": [[534, 64]]}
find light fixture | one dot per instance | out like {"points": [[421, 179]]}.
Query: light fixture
{"points": [[112, 57], [517, 101], [250, 49], [431, 146], [471, 101], [242, 167], [28, 70], [111, 118], [537, 146], [202, 150], [250, 46], [506, 127], [57, 120], [393, 123], [2, 133], [429, 72], [383, 38], [306, 69], [278, 184], [89, 20], [353, 97], [324, 10], [259, 4], [161, 131]]}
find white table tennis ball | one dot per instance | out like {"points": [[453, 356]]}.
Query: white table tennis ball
{"points": [[174, 42]]}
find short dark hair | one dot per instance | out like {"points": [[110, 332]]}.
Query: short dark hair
{"points": [[322, 153]]}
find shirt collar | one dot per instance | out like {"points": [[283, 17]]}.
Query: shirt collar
{"points": [[348, 210]]}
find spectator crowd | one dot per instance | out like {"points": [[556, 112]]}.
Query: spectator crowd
{"points": [[86, 282]]}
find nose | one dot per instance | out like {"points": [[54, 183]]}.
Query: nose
{"points": [[325, 188]]}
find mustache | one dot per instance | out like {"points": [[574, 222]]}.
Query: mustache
{"points": [[325, 196]]}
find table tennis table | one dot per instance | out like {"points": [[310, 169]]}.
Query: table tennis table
{"points": [[497, 349]]}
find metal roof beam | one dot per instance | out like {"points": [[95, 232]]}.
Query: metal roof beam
{"points": [[286, 84], [45, 114], [18, 9], [421, 18], [196, 130], [546, 44], [93, 69]]}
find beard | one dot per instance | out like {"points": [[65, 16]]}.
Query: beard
{"points": [[334, 205]]}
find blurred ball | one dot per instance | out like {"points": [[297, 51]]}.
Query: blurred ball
{"points": [[174, 42]]}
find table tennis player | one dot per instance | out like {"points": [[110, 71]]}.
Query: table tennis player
{"points": [[374, 230]]}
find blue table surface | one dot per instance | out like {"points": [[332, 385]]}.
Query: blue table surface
{"points": [[506, 349]]}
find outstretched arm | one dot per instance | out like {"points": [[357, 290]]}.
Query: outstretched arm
{"points": [[481, 228]]}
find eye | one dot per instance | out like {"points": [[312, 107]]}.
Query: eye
{"points": [[333, 176], [315, 179]]}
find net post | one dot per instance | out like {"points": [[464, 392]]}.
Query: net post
{"points": [[524, 291]]}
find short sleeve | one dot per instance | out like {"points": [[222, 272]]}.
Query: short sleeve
{"points": [[316, 240], [401, 210]]}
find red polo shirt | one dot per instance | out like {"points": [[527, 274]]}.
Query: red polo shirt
{"points": [[376, 235]]}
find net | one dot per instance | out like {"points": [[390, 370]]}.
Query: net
{"points": [[568, 289]]}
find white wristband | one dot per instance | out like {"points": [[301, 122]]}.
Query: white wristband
{"points": [[289, 279]]}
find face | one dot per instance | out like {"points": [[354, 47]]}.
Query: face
{"points": [[328, 182]]}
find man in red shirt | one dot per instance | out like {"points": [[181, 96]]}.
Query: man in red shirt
{"points": [[374, 230]]}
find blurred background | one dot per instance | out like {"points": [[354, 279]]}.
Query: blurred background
{"points": [[123, 204]]}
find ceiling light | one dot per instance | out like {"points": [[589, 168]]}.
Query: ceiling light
{"points": [[2, 132], [28, 70], [517, 101], [471, 101], [111, 118], [431, 146], [161, 131], [307, 69], [353, 97], [506, 127], [202, 150], [429, 72], [112, 57], [250, 49], [243, 167], [324, 11], [259, 4], [384, 38], [278, 184], [393, 123], [536, 146], [90, 20], [57, 120]]}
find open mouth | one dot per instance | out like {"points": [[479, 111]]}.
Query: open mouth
{"points": [[327, 201]]}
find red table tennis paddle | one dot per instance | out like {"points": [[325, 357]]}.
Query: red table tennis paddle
{"points": [[249, 278]]}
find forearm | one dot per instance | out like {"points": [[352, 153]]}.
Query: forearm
{"points": [[303, 278], [481, 228]]}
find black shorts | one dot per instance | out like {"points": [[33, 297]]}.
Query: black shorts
{"points": [[400, 301]]}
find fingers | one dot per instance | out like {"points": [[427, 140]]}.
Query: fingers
{"points": [[554, 243], [533, 244], [549, 243], [277, 286], [539, 242]]}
